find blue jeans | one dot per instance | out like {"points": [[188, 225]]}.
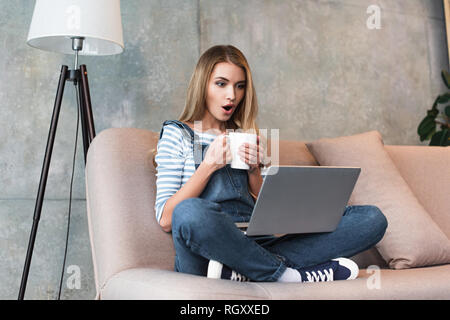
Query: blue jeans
{"points": [[202, 232]]}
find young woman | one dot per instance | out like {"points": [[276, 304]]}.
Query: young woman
{"points": [[200, 197]]}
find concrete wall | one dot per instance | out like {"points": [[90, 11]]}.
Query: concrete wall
{"points": [[318, 70]]}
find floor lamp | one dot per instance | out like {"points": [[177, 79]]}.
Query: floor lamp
{"points": [[79, 27]]}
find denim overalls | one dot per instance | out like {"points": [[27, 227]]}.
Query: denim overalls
{"points": [[226, 186], [203, 229]]}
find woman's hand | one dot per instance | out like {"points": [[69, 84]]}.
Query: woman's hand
{"points": [[218, 153], [252, 154]]}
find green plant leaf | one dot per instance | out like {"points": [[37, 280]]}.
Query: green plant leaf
{"points": [[443, 98], [435, 103], [436, 139], [445, 137], [447, 111], [446, 77], [425, 127], [433, 112], [428, 135], [440, 138]]}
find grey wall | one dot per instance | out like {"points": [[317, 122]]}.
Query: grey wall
{"points": [[318, 70]]}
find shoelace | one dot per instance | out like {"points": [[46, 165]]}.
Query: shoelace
{"points": [[238, 277], [318, 276]]}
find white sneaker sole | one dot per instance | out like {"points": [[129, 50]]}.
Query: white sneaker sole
{"points": [[351, 265], [214, 269]]}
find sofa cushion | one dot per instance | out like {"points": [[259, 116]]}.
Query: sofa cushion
{"points": [[291, 153], [148, 283], [412, 238]]}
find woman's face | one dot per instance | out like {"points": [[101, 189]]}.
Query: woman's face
{"points": [[226, 88]]}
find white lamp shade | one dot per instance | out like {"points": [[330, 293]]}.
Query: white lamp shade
{"points": [[54, 22]]}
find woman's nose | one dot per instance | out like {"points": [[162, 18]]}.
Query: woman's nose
{"points": [[230, 93]]}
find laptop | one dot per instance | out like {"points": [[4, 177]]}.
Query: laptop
{"points": [[301, 199]]}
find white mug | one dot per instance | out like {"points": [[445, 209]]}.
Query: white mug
{"points": [[236, 140]]}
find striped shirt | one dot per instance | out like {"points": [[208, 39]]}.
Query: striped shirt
{"points": [[175, 160]]}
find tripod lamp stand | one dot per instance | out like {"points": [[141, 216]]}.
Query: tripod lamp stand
{"points": [[79, 27]]}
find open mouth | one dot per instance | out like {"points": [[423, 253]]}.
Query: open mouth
{"points": [[228, 108]]}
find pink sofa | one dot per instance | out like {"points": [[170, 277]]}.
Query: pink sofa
{"points": [[133, 257]]}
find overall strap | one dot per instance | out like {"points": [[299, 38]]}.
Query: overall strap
{"points": [[190, 135], [186, 130]]}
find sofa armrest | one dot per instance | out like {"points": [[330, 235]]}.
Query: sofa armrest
{"points": [[120, 196]]}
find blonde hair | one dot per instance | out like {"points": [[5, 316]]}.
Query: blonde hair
{"points": [[244, 117]]}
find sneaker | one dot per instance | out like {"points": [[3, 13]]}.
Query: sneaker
{"points": [[347, 270], [217, 270], [336, 269]]}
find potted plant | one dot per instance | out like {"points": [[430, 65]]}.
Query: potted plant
{"points": [[427, 129]]}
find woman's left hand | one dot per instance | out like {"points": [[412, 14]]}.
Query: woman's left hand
{"points": [[252, 154]]}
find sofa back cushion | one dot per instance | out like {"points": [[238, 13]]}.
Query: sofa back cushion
{"points": [[292, 153]]}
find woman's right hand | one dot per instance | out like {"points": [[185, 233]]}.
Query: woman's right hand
{"points": [[218, 153]]}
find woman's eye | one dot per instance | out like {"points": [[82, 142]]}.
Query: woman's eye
{"points": [[223, 84]]}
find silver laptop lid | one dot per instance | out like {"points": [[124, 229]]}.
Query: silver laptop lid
{"points": [[302, 199]]}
